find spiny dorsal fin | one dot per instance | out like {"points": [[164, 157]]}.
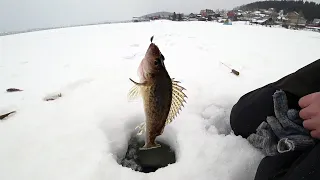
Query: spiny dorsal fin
{"points": [[178, 98]]}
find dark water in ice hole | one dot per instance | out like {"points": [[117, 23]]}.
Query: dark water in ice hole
{"points": [[147, 161]]}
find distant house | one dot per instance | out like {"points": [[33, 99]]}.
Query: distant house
{"points": [[207, 12], [231, 15], [295, 18], [257, 12], [135, 19], [281, 13], [281, 20], [266, 21], [191, 15], [316, 22], [202, 18], [271, 9], [138, 19], [217, 15], [241, 17]]}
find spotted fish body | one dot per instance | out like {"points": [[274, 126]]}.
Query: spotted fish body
{"points": [[157, 99], [162, 96]]}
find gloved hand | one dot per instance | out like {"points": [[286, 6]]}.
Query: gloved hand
{"points": [[264, 139], [281, 133]]}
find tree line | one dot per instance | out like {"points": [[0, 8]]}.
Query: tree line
{"points": [[177, 17], [310, 10]]}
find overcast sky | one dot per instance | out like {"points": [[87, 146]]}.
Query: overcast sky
{"points": [[18, 15]]}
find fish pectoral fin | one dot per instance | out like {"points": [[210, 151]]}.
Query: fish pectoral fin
{"points": [[178, 98], [135, 91], [139, 84]]}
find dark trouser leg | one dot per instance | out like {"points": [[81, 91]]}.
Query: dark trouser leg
{"points": [[307, 166], [255, 106], [291, 166], [273, 167]]}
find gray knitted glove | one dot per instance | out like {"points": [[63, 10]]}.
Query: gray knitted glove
{"points": [[282, 133], [264, 139]]}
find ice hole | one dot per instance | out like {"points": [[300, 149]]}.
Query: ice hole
{"points": [[147, 161]]}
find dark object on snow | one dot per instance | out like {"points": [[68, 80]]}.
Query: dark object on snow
{"points": [[282, 133], [147, 161], [253, 108], [53, 97], [13, 90], [151, 39], [3, 116], [232, 70], [235, 72]]}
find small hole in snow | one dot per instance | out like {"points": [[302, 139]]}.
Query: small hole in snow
{"points": [[147, 161]]}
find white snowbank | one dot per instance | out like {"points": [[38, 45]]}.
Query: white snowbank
{"points": [[80, 135]]}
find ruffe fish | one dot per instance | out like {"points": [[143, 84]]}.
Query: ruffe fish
{"points": [[162, 96]]}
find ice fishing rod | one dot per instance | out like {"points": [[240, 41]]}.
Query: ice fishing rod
{"points": [[235, 72]]}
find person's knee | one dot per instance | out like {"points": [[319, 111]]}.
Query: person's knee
{"points": [[235, 120], [251, 110]]}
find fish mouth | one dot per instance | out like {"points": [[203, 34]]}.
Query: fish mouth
{"points": [[153, 51]]}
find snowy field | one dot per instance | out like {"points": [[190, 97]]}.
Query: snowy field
{"points": [[80, 135]]}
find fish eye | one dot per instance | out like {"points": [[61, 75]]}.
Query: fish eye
{"points": [[157, 62]]}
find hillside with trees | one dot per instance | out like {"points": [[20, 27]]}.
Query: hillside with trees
{"points": [[310, 10]]}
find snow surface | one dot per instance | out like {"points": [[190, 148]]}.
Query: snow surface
{"points": [[80, 135]]}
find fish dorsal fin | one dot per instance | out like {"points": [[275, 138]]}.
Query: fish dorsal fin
{"points": [[178, 98]]}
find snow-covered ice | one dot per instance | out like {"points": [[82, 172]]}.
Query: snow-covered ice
{"points": [[80, 135]]}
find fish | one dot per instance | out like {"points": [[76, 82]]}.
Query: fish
{"points": [[163, 96]]}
